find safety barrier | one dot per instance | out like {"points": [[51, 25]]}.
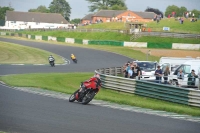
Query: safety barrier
{"points": [[148, 89], [105, 42]]}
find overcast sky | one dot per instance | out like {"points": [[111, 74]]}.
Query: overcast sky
{"points": [[80, 7]]}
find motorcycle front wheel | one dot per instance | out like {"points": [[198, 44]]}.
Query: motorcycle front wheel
{"points": [[72, 98]]}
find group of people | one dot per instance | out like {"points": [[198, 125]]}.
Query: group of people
{"points": [[180, 76], [131, 70]]}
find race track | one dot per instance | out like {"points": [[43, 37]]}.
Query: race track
{"points": [[24, 112]]}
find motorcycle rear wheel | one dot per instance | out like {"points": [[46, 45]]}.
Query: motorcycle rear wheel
{"points": [[88, 97], [72, 98]]}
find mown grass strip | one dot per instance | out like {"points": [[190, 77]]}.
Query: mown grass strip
{"points": [[69, 82], [18, 54], [111, 36]]}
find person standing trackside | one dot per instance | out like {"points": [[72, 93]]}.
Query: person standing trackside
{"points": [[136, 71], [158, 74], [180, 77], [166, 74], [192, 78]]}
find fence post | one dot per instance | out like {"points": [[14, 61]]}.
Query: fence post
{"points": [[115, 71], [104, 71], [199, 83], [110, 71]]}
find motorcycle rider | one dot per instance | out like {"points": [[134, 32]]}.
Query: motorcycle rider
{"points": [[94, 83], [51, 59], [73, 57]]}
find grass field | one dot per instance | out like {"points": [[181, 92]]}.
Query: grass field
{"points": [[18, 54], [175, 26], [69, 82]]}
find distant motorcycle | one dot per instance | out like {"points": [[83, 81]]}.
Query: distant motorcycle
{"points": [[52, 63], [83, 95], [74, 60]]}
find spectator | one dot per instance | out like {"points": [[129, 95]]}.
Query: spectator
{"points": [[180, 77], [136, 71], [192, 78], [158, 74], [124, 70], [130, 71], [166, 74]]}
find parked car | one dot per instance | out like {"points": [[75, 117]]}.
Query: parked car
{"points": [[186, 67]]}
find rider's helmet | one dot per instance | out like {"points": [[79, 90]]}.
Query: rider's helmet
{"points": [[72, 54], [97, 76], [50, 56]]}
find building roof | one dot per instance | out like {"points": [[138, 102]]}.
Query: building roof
{"points": [[88, 17], [145, 15], [35, 17], [109, 13]]}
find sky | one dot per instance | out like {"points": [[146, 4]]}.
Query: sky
{"points": [[80, 7]]}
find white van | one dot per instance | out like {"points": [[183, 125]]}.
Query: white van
{"points": [[173, 62], [186, 67], [148, 69]]}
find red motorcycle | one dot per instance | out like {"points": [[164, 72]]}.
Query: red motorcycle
{"points": [[84, 95]]}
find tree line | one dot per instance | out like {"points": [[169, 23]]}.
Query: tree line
{"points": [[63, 7]]}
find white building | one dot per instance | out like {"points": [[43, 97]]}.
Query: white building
{"points": [[31, 20]]}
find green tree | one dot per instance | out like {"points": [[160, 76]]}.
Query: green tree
{"points": [[62, 7], [182, 10], [118, 7], [97, 5], [171, 9], [75, 21], [3, 14], [41, 9], [196, 13]]}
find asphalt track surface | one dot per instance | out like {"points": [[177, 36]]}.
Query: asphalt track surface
{"points": [[22, 112]]}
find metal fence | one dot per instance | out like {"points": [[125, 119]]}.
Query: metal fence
{"points": [[149, 89], [174, 35]]}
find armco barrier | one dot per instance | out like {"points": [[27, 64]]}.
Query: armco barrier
{"points": [[135, 44], [148, 89], [114, 43], [20, 34], [33, 37], [61, 39], [159, 45], [38, 37], [45, 38], [78, 41], [186, 46]]}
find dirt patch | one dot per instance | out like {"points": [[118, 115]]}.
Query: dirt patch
{"points": [[171, 53]]}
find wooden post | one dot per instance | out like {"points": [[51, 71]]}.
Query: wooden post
{"points": [[115, 71]]}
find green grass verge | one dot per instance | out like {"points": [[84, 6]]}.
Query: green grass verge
{"points": [[111, 36], [17, 54], [69, 82]]}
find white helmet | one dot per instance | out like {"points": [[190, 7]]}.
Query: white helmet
{"points": [[97, 76]]}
